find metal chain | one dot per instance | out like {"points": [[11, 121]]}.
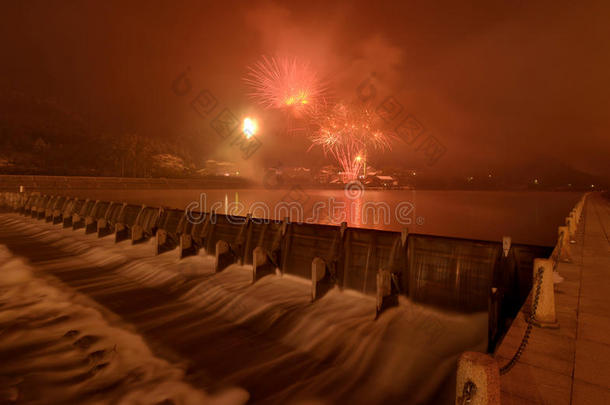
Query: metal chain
{"points": [[528, 330], [467, 393], [530, 320]]}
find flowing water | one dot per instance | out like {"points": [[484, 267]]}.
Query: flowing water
{"points": [[84, 320]]}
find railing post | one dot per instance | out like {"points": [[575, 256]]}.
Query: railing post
{"points": [[571, 224], [543, 308], [563, 246], [478, 380]]}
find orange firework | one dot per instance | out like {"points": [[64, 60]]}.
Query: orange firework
{"points": [[347, 133], [285, 84]]}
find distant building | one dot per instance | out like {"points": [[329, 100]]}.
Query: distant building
{"points": [[219, 168], [382, 181]]}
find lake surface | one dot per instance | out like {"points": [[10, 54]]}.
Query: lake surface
{"points": [[529, 217]]}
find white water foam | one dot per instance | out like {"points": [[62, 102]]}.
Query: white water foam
{"points": [[408, 353], [58, 351]]}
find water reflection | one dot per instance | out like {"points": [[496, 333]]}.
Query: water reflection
{"points": [[528, 217]]}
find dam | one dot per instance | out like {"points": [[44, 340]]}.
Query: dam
{"points": [[263, 310]]}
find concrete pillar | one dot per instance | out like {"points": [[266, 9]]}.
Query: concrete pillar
{"points": [[259, 259], [544, 311], [261, 266], [67, 221], [224, 256], [57, 216], [478, 378], [385, 297], [121, 232], [186, 247], [90, 225], [384, 287], [318, 272], [506, 243], [160, 240], [137, 233], [101, 227]]}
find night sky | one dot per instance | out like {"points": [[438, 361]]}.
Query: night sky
{"points": [[501, 85]]}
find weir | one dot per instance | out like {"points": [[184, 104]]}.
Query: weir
{"points": [[73, 207], [167, 229], [56, 214], [455, 274], [125, 221], [79, 217], [145, 225], [107, 224]]}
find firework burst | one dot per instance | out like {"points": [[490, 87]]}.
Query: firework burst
{"points": [[285, 84], [347, 133]]}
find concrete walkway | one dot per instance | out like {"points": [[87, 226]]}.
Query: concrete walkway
{"points": [[569, 365]]}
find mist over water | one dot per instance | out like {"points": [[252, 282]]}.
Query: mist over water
{"points": [[111, 323]]}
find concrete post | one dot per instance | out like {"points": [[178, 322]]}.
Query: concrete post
{"points": [[137, 234], [571, 227], [259, 258], [101, 227], [563, 240], [261, 266], [384, 287], [506, 243], [90, 225], [69, 220], [186, 247], [544, 309], [161, 239], [57, 216], [318, 272], [478, 379], [121, 232], [224, 256], [385, 297]]}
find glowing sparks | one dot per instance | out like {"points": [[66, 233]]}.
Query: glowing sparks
{"points": [[286, 84], [250, 127], [346, 133]]}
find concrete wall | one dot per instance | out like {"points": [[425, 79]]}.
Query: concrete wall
{"points": [[36, 183]]}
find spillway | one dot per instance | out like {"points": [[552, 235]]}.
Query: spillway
{"points": [[232, 312]]}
